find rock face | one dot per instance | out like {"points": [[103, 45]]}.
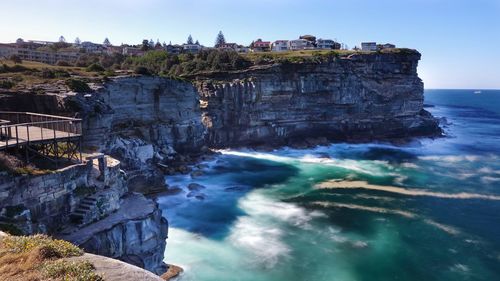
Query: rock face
{"points": [[142, 121], [136, 234], [158, 111], [117, 224], [362, 97]]}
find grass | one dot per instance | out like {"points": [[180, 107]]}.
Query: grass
{"points": [[26, 244], [70, 270], [13, 165], [41, 258], [312, 55], [30, 73]]}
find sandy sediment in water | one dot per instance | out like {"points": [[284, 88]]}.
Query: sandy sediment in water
{"points": [[336, 184]]}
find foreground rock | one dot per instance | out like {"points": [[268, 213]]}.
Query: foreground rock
{"points": [[90, 208], [136, 234], [114, 270]]}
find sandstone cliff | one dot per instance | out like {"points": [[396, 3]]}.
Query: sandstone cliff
{"points": [[375, 96], [142, 121]]}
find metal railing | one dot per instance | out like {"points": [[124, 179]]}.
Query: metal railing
{"points": [[21, 127]]}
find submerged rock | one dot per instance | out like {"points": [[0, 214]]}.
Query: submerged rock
{"points": [[195, 187]]}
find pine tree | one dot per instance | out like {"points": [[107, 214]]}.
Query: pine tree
{"points": [[145, 45], [78, 41], [62, 39], [106, 42], [190, 40], [197, 43], [220, 40]]}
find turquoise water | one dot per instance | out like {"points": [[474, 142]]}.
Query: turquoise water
{"points": [[429, 210]]}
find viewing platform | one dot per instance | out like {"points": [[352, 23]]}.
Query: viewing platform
{"points": [[50, 136]]}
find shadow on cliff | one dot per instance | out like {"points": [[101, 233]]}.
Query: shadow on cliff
{"points": [[227, 181]]}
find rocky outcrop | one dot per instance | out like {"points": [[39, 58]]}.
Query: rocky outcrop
{"points": [[142, 121], [136, 234], [116, 223], [373, 96], [114, 270]]}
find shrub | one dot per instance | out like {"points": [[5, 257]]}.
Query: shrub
{"points": [[95, 67], [24, 244], [7, 84], [63, 63], [9, 163], [71, 271], [78, 86], [15, 68], [10, 229], [40, 257], [142, 70]]}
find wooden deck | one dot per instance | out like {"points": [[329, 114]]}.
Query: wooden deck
{"points": [[34, 135], [49, 135]]}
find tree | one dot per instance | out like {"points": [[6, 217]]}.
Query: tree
{"points": [[15, 59], [197, 43], [145, 45], [220, 40], [106, 42], [78, 41], [151, 43], [158, 44], [190, 40], [62, 39]]}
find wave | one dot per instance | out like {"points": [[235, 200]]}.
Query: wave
{"points": [[336, 184], [263, 241]]}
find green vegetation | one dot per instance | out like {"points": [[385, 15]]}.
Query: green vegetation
{"points": [[70, 270], [41, 258], [77, 85], [6, 84], [10, 229], [25, 244], [13, 165], [159, 62], [162, 63], [95, 67]]}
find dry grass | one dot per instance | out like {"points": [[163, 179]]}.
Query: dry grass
{"points": [[40, 258], [296, 56], [32, 73], [15, 166], [40, 65]]}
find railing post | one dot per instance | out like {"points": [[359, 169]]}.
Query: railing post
{"points": [[27, 145]]}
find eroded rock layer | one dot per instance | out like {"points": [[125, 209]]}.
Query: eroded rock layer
{"points": [[362, 97]]}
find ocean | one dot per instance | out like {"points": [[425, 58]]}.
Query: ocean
{"points": [[427, 210]]}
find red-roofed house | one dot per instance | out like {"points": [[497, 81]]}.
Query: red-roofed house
{"points": [[261, 46]]}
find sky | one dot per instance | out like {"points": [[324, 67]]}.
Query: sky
{"points": [[459, 39]]}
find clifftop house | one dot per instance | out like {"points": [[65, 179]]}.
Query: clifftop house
{"points": [[279, 46], [326, 44], [261, 46]]}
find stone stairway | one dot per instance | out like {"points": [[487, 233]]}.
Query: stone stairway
{"points": [[85, 212]]}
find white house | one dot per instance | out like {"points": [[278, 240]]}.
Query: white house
{"points": [[91, 48], [369, 46], [242, 49], [299, 44], [279, 46], [192, 48], [327, 44]]}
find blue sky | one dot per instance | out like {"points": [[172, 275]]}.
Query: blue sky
{"points": [[459, 39]]}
